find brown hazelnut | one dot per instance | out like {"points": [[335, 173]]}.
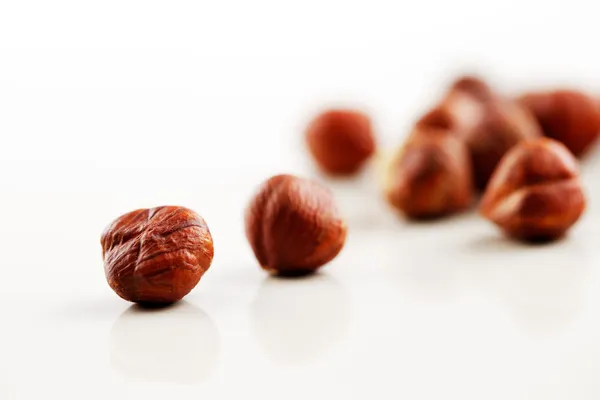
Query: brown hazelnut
{"points": [[504, 124], [473, 86], [466, 101], [569, 116], [535, 193], [341, 141], [156, 255], [461, 112], [430, 176], [294, 226], [489, 124], [440, 117], [462, 109]]}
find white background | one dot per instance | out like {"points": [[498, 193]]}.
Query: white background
{"points": [[110, 106]]}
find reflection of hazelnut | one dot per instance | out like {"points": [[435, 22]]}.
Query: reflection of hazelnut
{"points": [[535, 193], [341, 141], [294, 226], [430, 176], [568, 116], [177, 345], [298, 322], [504, 124], [156, 255]]}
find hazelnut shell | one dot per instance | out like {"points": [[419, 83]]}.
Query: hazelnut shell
{"points": [[158, 255], [341, 141], [464, 110], [504, 124], [571, 117], [535, 193], [473, 86], [430, 176], [294, 226], [489, 124]]}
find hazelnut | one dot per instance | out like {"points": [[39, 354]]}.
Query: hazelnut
{"points": [[430, 176], [461, 112], [465, 101], [341, 141], [156, 255], [440, 117], [473, 86], [504, 124], [294, 226], [569, 116], [489, 124], [535, 193], [461, 109]]}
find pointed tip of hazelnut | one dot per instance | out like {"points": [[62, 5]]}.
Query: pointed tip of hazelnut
{"points": [[473, 85], [438, 118]]}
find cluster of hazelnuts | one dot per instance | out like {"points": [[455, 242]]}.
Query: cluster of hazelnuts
{"points": [[521, 154]]}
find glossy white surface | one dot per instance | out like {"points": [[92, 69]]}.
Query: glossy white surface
{"points": [[417, 310], [108, 107]]}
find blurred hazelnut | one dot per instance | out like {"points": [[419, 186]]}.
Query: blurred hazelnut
{"points": [[341, 141], [504, 124], [461, 113], [430, 176], [156, 255], [294, 226], [569, 116], [440, 117], [473, 86], [489, 124], [466, 101], [535, 193], [462, 109]]}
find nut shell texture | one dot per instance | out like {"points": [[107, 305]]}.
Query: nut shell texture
{"points": [[430, 176], [341, 141], [294, 226], [535, 193], [156, 255], [571, 117]]}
